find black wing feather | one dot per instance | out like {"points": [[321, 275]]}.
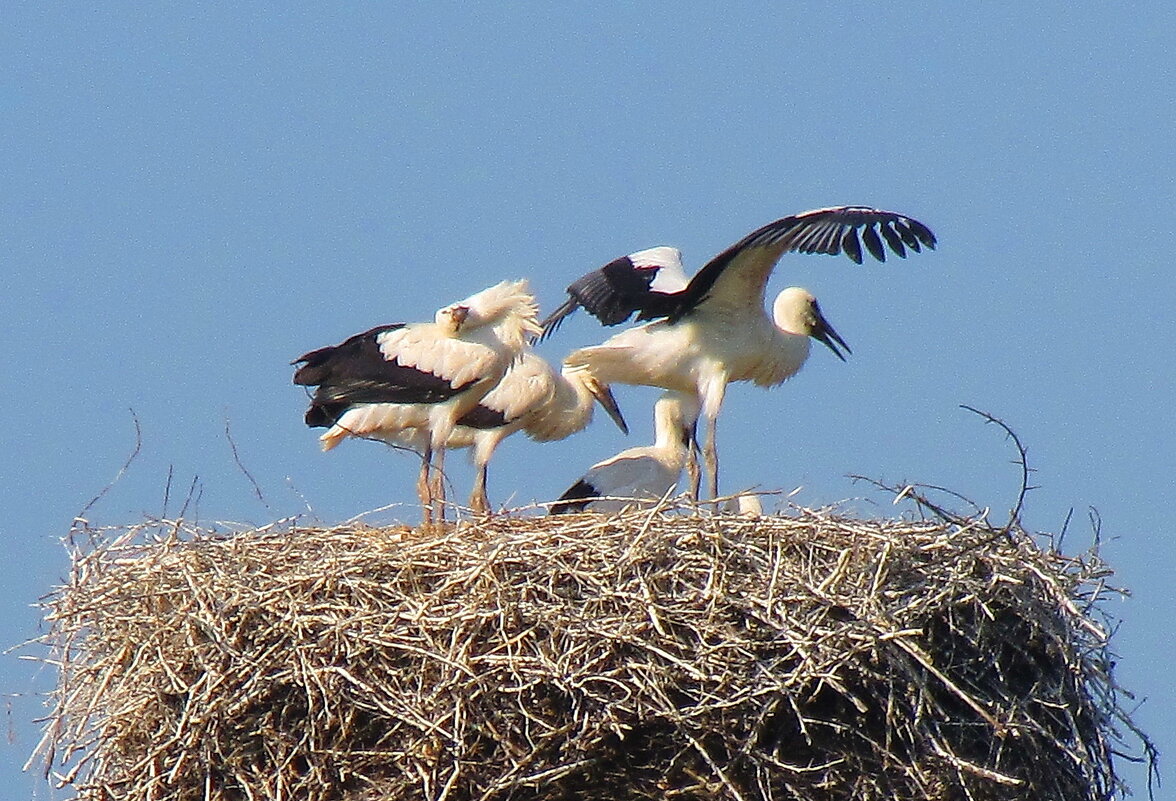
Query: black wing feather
{"points": [[908, 236], [324, 415], [893, 239], [576, 499], [611, 294], [356, 372], [873, 243], [851, 245], [830, 231], [554, 320], [483, 418], [921, 232]]}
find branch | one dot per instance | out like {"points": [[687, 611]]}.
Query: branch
{"points": [[1022, 460], [80, 517], [922, 501], [237, 459]]}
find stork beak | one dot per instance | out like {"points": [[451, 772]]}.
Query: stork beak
{"points": [[604, 396], [459, 315], [824, 333]]}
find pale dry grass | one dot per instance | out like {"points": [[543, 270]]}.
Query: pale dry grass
{"points": [[646, 656]]}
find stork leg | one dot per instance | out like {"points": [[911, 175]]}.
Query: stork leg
{"points": [[423, 485], [438, 486], [478, 500], [693, 470], [711, 454]]}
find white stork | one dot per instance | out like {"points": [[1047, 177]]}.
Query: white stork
{"points": [[714, 331], [419, 375], [644, 473], [533, 398]]}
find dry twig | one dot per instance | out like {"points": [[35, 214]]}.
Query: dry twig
{"points": [[647, 656]]}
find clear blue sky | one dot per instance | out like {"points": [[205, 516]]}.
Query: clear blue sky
{"points": [[195, 194]]}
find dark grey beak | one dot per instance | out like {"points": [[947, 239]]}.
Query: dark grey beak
{"points": [[604, 396], [824, 333]]}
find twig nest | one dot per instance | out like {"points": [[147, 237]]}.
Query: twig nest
{"points": [[638, 657]]}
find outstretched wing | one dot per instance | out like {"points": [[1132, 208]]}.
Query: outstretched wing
{"points": [[738, 275], [634, 283]]}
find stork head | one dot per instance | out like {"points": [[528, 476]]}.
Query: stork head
{"points": [[797, 312], [571, 405], [508, 305], [452, 318]]}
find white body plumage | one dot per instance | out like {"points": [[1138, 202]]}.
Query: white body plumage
{"points": [[531, 397], [422, 376], [714, 330], [639, 474]]}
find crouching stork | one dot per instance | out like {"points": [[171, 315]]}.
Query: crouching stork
{"points": [[641, 474], [422, 376]]}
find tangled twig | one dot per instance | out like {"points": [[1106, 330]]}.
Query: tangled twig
{"points": [[637, 657]]}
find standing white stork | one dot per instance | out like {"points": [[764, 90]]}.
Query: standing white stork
{"points": [[419, 375], [714, 331], [644, 473], [531, 397]]}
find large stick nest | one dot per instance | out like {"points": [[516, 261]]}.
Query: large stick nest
{"points": [[645, 656]]}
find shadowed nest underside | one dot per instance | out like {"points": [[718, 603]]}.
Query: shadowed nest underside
{"points": [[644, 656]]}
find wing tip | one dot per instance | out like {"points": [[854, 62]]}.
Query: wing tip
{"points": [[553, 321]]}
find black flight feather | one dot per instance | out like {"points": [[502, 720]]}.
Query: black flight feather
{"points": [[576, 499], [483, 418], [357, 372], [611, 294]]}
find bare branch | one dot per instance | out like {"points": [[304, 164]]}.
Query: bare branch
{"points": [[81, 516], [241, 466], [1022, 460]]}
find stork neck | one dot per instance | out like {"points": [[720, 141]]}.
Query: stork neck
{"points": [[668, 426]]}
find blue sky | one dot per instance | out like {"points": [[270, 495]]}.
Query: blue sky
{"points": [[195, 194]]}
